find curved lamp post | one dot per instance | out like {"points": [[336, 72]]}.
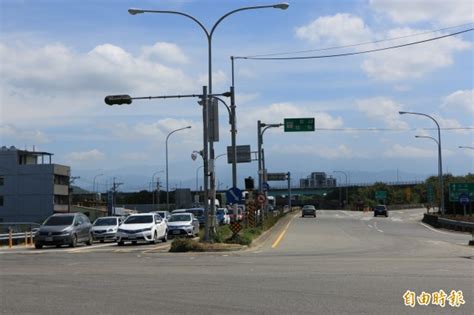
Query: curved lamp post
{"points": [[167, 189], [440, 163], [209, 164], [465, 147], [93, 182]]}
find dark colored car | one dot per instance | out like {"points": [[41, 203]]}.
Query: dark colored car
{"points": [[380, 210], [64, 229], [308, 210], [198, 214]]}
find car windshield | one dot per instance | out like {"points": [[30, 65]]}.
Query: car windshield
{"points": [[380, 208], [105, 221], [162, 215], [308, 207], [180, 217], [196, 212], [139, 219], [59, 220]]}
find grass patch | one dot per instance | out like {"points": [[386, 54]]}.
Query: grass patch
{"points": [[181, 245]]}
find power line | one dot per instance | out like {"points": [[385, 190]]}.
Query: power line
{"points": [[359, 52], [359, 44], [392, 129]]}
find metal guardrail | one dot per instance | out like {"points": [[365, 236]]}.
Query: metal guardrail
{"points": [[456, 223]]}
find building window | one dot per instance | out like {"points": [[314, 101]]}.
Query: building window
{"points": [[2, 180], [1, 201]]}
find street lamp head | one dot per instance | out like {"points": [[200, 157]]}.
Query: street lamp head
{"points": [[417, 136], [189, 127], [282, 6], [135, 11], [402, 113]]}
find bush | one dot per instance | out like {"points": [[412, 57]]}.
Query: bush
{"points": [[181, 245]]}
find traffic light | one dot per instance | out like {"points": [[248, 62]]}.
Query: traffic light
{"points": [[249, 185], [118, 99]]}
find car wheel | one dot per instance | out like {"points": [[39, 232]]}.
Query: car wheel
{"points": [[58, 246], [73, 241], [89, 241], [386, 214], [120, 243], [165, 237], [101, 241], [134, 242], [38, 245]]}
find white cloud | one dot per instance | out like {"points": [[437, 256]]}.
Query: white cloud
{"points": [[382, 110], [92, 155], [460, 100], [339, 29], [21, 135], [135, 156], [52, 81], [446, 13], [324, 152], [410, 152], [415, 61], [161, 52]]}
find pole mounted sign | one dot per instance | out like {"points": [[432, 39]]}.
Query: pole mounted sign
{"points": [[456, 189], [299, 124]]}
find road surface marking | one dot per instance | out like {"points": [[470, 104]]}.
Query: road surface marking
{"points": [[87, 247], [275, 244], [376, 227], [370, 226], [161, 246], [366, 218]]}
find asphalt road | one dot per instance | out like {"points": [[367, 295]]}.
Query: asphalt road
{"points": [[342, 262]]}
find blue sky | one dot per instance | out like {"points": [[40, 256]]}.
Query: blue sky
{"points": [[59, 59]]}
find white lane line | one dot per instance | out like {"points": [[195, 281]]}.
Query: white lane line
{"points": [[376, 227], [396, 219], [370, 226], [88, 247], [366, 218], [435, 230]]}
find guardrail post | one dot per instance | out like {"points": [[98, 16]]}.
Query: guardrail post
{"points": [[10, 240], [26, 238], [31, 237]]}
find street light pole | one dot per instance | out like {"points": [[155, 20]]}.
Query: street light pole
{"points": [[167, 187], [347, 195], [211, 171], [440, 163], [465, 147], [93, 182]]}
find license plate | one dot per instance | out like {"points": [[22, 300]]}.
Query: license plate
{"points": [[49, 239], [176, 232], [132, 237]]}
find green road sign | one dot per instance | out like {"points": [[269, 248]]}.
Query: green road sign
{"points": [[381, 195], [299, 124], [456, 189]]}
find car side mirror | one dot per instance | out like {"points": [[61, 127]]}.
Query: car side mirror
{"points": [[76, 224]]}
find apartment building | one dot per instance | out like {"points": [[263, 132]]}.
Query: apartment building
{"points": [[31, 186], [317, 180]]}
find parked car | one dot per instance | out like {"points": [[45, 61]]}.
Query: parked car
{"points": [[148, 227], [380, 210], [183, 224], [198, 214], [308, 210], [222, 216], [64, 229], [105, 228], [164, 215]]}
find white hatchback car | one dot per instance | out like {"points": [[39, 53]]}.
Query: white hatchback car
{"points": [[148, 227]]}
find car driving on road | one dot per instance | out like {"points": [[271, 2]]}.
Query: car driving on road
{"points": [[380, 210], [183, 224], [308, 210], [105, 228], [64, 229], [148, 227], [222, 216]]}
